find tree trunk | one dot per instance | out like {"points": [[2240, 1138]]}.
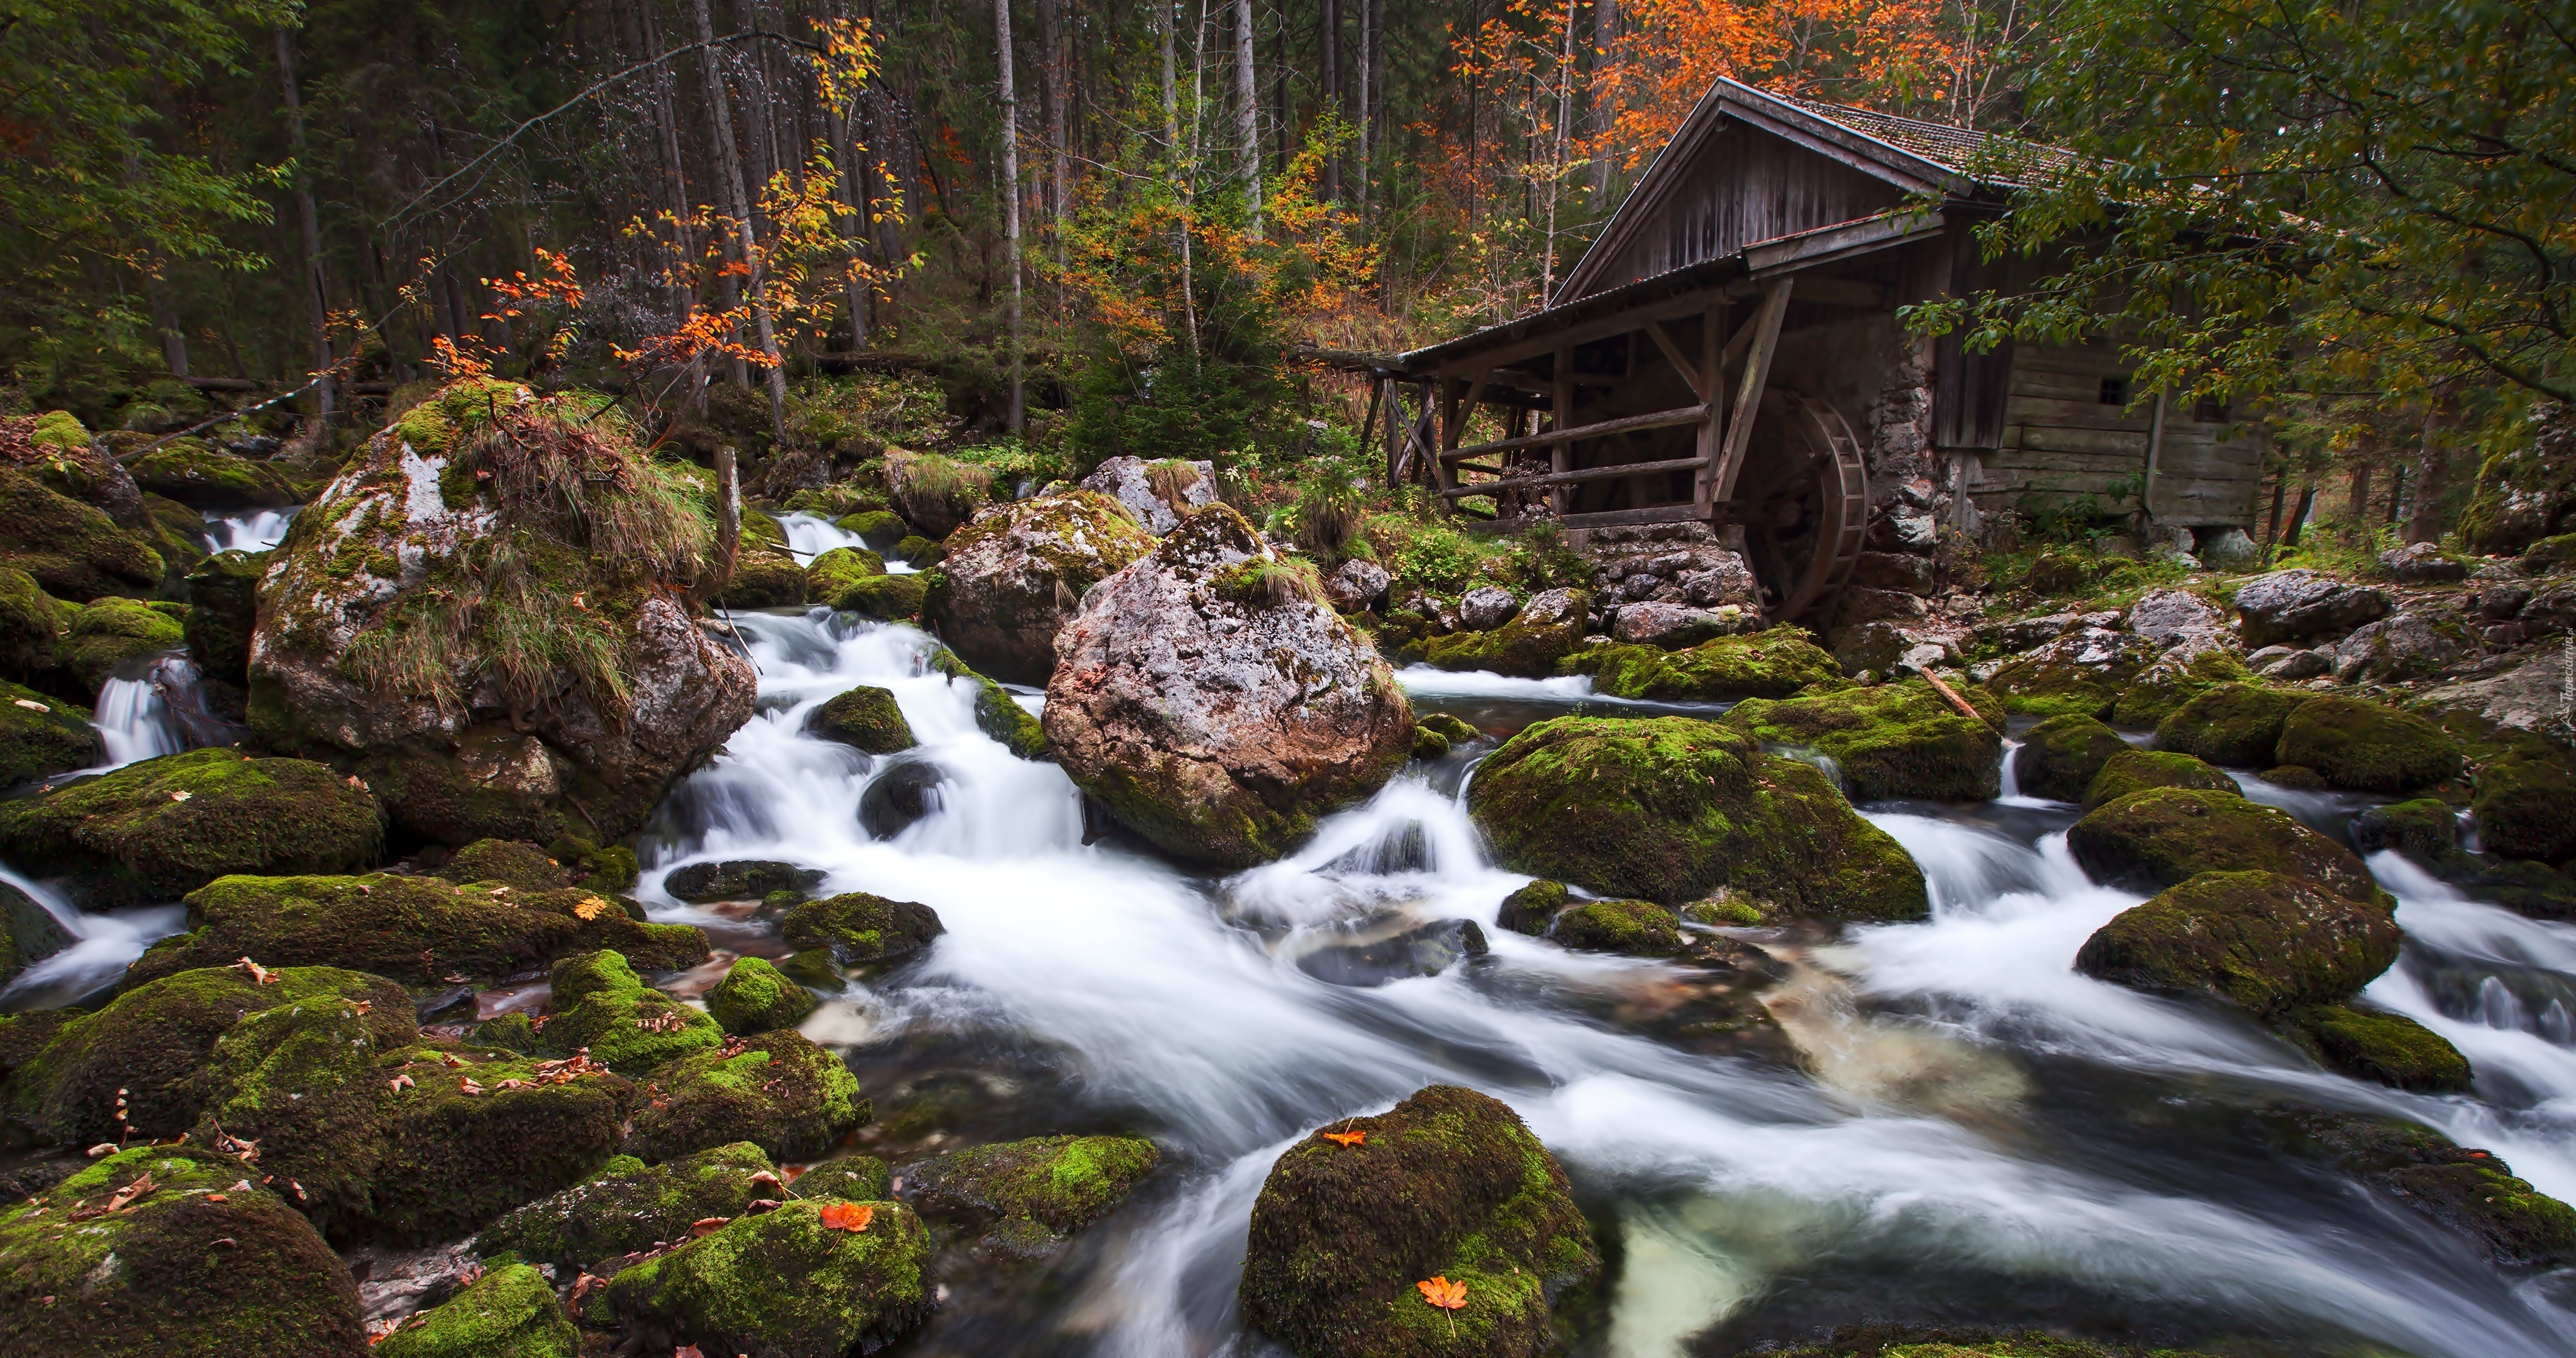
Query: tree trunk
{"points": [[1186, 177], [1011, 202], [1367, 91], [1557, 160], [2432, 468], [165, 318], [2299, 520], [2358, 511], [738, 206], [728, 523], [1328, 60], [316, 293], [1247, 112], [1605, 102], [1051, 87]]}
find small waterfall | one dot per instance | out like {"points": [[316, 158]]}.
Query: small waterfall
{"points": [[160, 710], [103, 946], [810, 535], [248, 530]]}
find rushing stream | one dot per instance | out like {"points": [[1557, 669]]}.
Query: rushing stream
{"points": [[1971, 1132]]}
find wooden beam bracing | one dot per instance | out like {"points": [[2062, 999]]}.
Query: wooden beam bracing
{"points": [[1567, 478], [1660, 419], [1765, 341], [1673, 355]]}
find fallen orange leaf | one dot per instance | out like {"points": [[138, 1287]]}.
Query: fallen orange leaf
{"points": [[1346, 1138], [847, 1216], [704, 1226], [1441, 1292]]}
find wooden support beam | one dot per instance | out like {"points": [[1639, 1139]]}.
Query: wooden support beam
{"points": [[1560, 456], [1620, 323], [1579, 474], [1673, 354], [1631, 518], [1660, 419], [1765, 340], [1711, 436], [1368, 427]]}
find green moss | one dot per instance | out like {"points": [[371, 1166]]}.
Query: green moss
{"points": [[919, 552], [2137, 770], [2425, 829], [858, 927], [1877, 1341], [456, 1159], [1669, 809], [106, 633], [2267, 943], [509, 1312], [73, 550], [792, 1097], [2059, 757], [880, 528], [1777, 663], [164, 827], [612, 868], [1447, 1183], [2073, 676], [1893, 740], [202, 476], [223, 606], [2367, 747], [754, 997], [1064, 1183], [2550, 553], [1723, 908], [997, 714], [416, 929], [51, 736], [763, 577], [2470, 1191], [1638, 928], [1532, 910], [2526, 804], [32, 622], [850, 1178], [2166, 685], [1529, 646], [786, 1283], [838, 569], [630, 1208], [513, 862], [866, 717], [895, 598], [2391, 1048], [59, 429], [2148, 841], [2230, 725], [434, 427], [601, 1006]]}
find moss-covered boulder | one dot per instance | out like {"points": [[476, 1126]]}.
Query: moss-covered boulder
{"points": [[809, 1280], [2391, 1048], [764, 575], [851, 1178], [858, 927], [1637, 928], [2526, 491], [2425, 829], [32, 624], [223, 610], [777, 1089], [2525, 804], [2137, 770], [866, 717], [2163, 837], [997, 714], [831, 572], [201, 476], [636, 1208], [878, 528], [106, 633], [1892, 740], [738, 879], [2267, 943], [420, 930], [2176, 677], [1670, 809], [894, 598], [1546, 630], [164, 827], [74, 551], [509, 1312], [2082, 672], [1447, 1184], [919, 552], [936, 494], [2230, 725], [1776, 663], [2059, 757], [1060, 1184], [467, 1141], [754, 997], [2366, 746], [510, 862], [1015, 576], [1533, 908], [193, 1262], [40, 734], [601, 1006], [2470, 1191], [29, 933]]}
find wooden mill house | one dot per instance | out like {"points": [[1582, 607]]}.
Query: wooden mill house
{"points": [[1728, 352]]}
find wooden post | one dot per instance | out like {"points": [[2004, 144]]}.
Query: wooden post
{"points": [[1712, 387], [2155, 447], [1748, 392], [1561, 457]]}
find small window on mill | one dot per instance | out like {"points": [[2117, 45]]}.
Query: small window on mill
{"points": [[2115, 391]]}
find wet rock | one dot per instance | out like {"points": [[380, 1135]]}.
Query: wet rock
{"points": [[2232, 725], [1533, 908], [2081, 672], [858, 927], [2282, 665], [630, 1208], [1892, 740], [2548, 612], [74, 551], [2059, 757], [2423, 829], [601, 1006], [108, 633], [201, 476], [29, 933], [850, 1178], [878, 528], [997, 714], [71, 461], [1215, 721], [1486, 607], [1059, 1183], [2529, 699], [919, 551], [511, 862], [936, 494], [1357, 584], [894, 598], [866, 717], [2419, 563], [1893, 648], [2390, 1048], [164, 827], [738, 879], [789, 1283], [1637, 928], [754, 997], [1670, 809], [1674, 626], [41, 734], [2130, 771], [776, 1089], [832, 573], [2367, 747], [1425, 950], [2293, 605], [1777, 663], [509, 1312], [1675, 563], [2526, 804], [1437, 733], [223, 607], [2469, 1191], [1447, 1184], [1546, 630], [2163, 837], [32, 622], [146, 1279], [2182, 673], [2267, 943], [469, 1142], [2401, 646], [899, 795], [1155, 494], [419, 930], [1016, 575]]}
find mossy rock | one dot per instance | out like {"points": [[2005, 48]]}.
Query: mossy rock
{"points": [[2234, 726], [602, 1006], [1533, 908], [866, 717], [74, 551], [1529, 646], [1974, 1341], [2267, 943], [1637, 928], [32, 624], [2137, 770], [633, 1209], [1063, 1183], [512, 862], [2525, 804], [2081, 673], [795, 1099], [2063, 572], [106, 633], [455, 1159], [2470, 1191], [29, 933], [895, 598], [738, 879], [919, 552], [858, 927], [786, 1284], [754, 997], [2163, 837], [2366, 746], [2170, 682], [1892, 740], [509, 1312], [2059, 757], [223, 607], [2391, 1048], [40, 734], [2425, 829], [202, 476], [178, 534], [164, 827], [850, 1178], [831, 572], [1669, 809], [1015, 576], [813, 968], [1448, 1184], [1778, 663], [609, 868], [2295, 777], [879, 528], [997, 714], [176, 1271], [763, 576], [419, 930]]}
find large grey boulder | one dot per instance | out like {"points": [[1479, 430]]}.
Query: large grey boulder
{"points": [[1486, 607], [1156, 494], [2293, 605], [1673, 563], [1674, 626], [1015, 574], [2172, 617], [2400, 646], [1357, 584]]}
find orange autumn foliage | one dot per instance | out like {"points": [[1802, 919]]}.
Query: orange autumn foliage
{"points": [[847, 1216], [1441, 1292], [1346, 1138]]}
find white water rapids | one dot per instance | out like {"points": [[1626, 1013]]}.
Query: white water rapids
{"points": [[1978, 1128]]}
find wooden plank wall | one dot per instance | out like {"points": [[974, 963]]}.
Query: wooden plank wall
{"points": [[1743, 186], [2060, 436]]}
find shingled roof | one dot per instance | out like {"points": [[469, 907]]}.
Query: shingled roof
{"points": [[1986, 157]]}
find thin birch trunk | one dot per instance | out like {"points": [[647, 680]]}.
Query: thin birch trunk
{"points": [[1247, 113], [1011, 203], [1172, 149]]}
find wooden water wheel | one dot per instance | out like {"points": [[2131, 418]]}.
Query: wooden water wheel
{"points": [[1804, 504]]}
